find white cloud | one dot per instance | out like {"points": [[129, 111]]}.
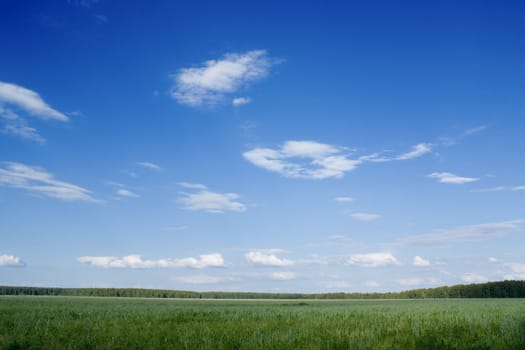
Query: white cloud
{"points": [[29, 101], [474, 278], [38, 181], [449, 178], [344, 199], [470, 233], [150, 166], [282, 275], [10, 261], [126, 193], [420, 262], [475, 130], [500, 189], [517, 271], [267, 258], [364, 216], [192, 186], [17, 126], [239, 101], [135, 261], [373, 259], [201, 279], [315, 160], [212, 202], [416, 152], [493, 260], [209, 83]]}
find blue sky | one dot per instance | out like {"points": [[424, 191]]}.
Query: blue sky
{"points": [[325, 147]]}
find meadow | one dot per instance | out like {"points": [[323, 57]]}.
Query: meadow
{"points": [[57, 322]]}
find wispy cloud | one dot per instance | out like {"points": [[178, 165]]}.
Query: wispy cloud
{"points": [[212, 202], [470, 233], [315, 160], [239, 101], [151, 166], [282, 275], [29, 101], [10, 261], [474, 278], [267, 258], [17, 126], [416, 152], [517, 271], [126, 193], [500, 189], [38, 181], [135, 261], [449, 178], [364, 216], [344, 199], [209, 83], [420, 262], [373, 259]]}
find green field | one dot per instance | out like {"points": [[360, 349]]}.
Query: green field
{"points": [[129, 323]]}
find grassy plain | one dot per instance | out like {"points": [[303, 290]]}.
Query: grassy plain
{"points": [[132, 323]]}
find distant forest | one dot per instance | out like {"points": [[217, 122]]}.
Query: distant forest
{"points": [[504, 289]]}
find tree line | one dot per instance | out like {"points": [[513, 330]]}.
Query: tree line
{"points": [[502, 289]]}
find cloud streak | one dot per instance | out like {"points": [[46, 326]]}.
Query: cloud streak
{"points": [[315, 160], [373, 259], [449, 178], [266, 258], [135, 261], [470, 233], [38, 181], [209, 83], [212, 202]]}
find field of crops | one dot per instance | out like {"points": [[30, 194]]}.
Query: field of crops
{"points": [[127, 323]]}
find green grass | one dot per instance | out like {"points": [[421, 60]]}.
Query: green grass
{"points": [[127, 323]]}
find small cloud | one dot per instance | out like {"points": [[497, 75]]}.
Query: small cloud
{"points": [[17, 126], [135, 261], [518, 188], [101, 19], [470, 233], [449, 178], [517, 271], [364, 216], [416, 152], [373, 259], [29, 101], [282, 275], [210, 83], [266, 258], [474, 278], [10, 261], [126, 193], [344, 199], [150, 166], [493, 260], [192, 186], [475, 130], [38, 181], [212, 202], [420, 262], [239, 101]]}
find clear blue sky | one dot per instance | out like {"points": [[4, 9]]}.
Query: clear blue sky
{"points": [[343, 146]]}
